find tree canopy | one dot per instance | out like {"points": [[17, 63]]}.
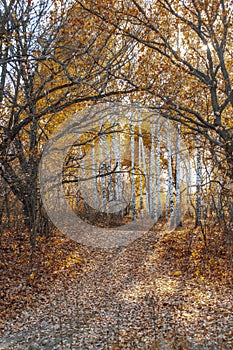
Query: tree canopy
{"points": [[173, 57]]}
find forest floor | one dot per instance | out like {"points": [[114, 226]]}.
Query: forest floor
{"points": [[163, 291]]}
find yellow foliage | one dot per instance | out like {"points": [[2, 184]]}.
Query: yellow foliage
{"points": [[32, 276]]}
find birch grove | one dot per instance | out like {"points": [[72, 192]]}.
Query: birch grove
{"points": [[181, 65], [138, 170]]}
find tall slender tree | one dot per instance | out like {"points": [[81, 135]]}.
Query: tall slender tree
{"points": [[170, 179], [178, 177]]}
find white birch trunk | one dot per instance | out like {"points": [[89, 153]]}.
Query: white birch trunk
{"points": [[84, 186], [152, 175], [108, 169], [170, 182], [83, 172], [116, 147], [158, 171], [133, 194], [167, 205], [120, 175], [115, 161], [94, 181], [198, 182], [141, 171], [178, 169], [145, 179], [103, 184]]}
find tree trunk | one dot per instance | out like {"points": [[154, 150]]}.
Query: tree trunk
{"points": [[178, 194], [170, 182], [158, 171], [198, 183], [133, 194]]}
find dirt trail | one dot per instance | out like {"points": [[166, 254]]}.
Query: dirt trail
{"points": [[124, 300]]}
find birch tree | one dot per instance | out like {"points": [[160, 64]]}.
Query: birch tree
{"points": [[94, 172], [152, 174], [158, 170], [140, 165], [171, 77], [132, 150], [116, 146], [170, 179], [103, 189], [198, 182], [178, 179], [145, 173]]}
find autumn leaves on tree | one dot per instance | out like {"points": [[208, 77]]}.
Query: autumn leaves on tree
{"points": [[173, 57]]}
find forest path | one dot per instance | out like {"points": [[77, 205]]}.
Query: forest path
{"points": [[93, 311], [134, 297], [108, 310]]}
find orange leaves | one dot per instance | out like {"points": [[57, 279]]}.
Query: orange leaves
{"points": [[32, 276], [177, 273], [23, 283], [148, 293]]}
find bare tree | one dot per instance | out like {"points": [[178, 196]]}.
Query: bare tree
{"points": [[50, 63]]}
